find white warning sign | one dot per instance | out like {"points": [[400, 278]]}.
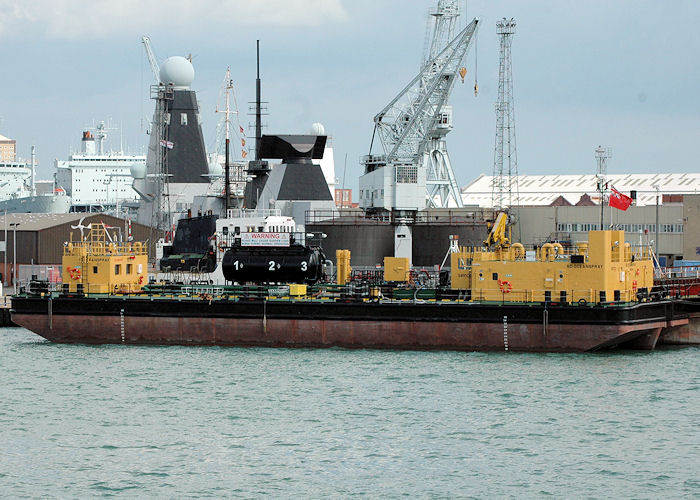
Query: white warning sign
{"points": [[264, 239]]}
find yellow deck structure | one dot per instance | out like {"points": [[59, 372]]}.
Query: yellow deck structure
{"points": [[98, 264], [604, 269]]}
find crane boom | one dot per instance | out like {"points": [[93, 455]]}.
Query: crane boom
{"points": [[414, 170], [151, 57], [406, 123]]}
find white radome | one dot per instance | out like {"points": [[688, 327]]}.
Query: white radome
{"points": [[318, 129], [138, 170], [178, 71], [215, 169]]}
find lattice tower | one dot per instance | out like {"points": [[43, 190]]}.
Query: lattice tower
{"points": [[505, 164], [602, 155]]}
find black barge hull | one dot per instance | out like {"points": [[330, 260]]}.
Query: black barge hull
{"points": [[349, 324]]}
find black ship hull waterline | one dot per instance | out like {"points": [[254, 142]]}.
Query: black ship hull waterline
{"points": [[444, 325]]}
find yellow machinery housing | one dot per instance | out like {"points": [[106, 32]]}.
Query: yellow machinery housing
{"points": [[396, 269], [344, 270], [603, 270], [100, 265]]}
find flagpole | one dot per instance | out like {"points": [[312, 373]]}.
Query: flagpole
{"points": [[602, 203], [656, 240]]}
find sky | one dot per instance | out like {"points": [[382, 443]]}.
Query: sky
{"points": [[622, 74]]}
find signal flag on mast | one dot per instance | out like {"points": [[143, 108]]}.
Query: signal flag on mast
{"points": [[619, 200]]}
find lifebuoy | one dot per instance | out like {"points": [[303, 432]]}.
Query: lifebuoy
{"points": [[74, 273], [140, 280], [582, 302], [505, 286]]}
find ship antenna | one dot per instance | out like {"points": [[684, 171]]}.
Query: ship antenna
{"points": [[258, 108], [227, 166]]}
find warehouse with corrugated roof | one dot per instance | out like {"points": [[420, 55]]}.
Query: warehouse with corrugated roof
{"points": [[545, 190], [39, 239]]}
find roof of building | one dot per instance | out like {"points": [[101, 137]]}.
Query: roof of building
{"points": [[585, 201], [560, 201], [3, 138], [39, 222], [542, 190]]}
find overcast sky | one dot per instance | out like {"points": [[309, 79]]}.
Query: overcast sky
{"points": [[620, 73]]}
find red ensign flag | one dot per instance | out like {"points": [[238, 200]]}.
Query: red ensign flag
{"points": [[619, 200]]}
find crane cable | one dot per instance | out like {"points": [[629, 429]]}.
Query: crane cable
{"points": [[476, 66]]}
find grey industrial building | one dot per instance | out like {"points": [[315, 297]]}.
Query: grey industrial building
{"points": [[678, 235]]}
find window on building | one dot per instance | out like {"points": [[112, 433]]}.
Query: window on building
{"points": [[117, 269], [94, 269], [407, 175], [128, 268]]}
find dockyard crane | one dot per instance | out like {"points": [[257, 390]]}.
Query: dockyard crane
{"points": [[413, 126], [151, 57]]}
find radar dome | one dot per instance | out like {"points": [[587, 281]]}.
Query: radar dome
{"points": [[318, 129], [178, 71], [138, 170], [215, 168]]}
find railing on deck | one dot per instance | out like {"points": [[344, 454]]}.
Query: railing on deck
{"points": [[362, 290], [442, 217]]}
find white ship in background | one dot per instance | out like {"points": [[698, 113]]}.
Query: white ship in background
{"points": [[98, 180], [19, 193], [91, 180]]}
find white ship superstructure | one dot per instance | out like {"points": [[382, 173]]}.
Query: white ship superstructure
{"points": [[327, 163], [96, 179], [18, 192], [15, 180]]}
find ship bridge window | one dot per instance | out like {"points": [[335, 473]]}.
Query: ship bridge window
{"points": [[128, 268], [117, 269], [94, 269], [495, 276], [183, 119]]}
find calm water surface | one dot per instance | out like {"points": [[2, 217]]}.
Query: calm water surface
{"points": [[79, 421]]}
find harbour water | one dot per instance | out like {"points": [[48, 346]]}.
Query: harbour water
{"points": [[128, 421]]}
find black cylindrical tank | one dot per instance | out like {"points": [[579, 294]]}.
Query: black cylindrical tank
{"points": [[293, 264]]}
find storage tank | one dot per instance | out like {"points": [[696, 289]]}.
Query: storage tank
{"points": [[293, 264]]}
